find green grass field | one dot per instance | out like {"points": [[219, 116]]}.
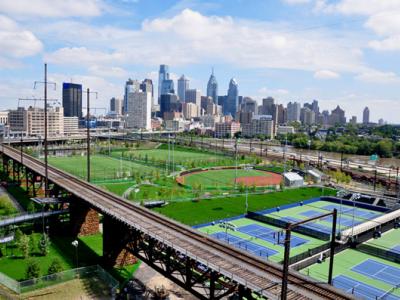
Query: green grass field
{"points": [[207, 210], [300, 212], [216, 178], [102, 167], [343, 263], [278, 257]]}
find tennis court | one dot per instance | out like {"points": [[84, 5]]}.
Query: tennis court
{"points": [[348, 216], [270, 235], [361, 274], [379, 271], [389, 242], [361, 290], [244, 244], [260, 239]]}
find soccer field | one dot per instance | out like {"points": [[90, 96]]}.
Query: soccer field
{"points": [[102, 167]]}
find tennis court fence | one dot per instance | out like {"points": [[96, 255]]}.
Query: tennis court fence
{"points": [[282, 224], [384, 253]]}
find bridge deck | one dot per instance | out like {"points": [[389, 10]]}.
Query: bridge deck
{"points": [[242, 267]]}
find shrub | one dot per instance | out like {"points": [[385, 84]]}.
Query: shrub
{"points": [[32, 269], [55, 267], [23, 245], [44, 244]]}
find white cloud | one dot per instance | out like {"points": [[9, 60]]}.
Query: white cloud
{"points": [[326, 74], [185, 39], [374, 76], [390, 44], [104, 71], [295, 2], [16, 43], [53, 8], [358, 7]]}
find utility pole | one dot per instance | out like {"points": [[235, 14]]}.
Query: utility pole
{"points": [[88, 92], [46, 165]]}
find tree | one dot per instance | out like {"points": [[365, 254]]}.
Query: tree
{"points": [[23, 245], [32, 244], [44, 244], [32, 269], [55, 266]]}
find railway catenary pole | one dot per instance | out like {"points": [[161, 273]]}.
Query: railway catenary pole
{"points": [[332, 248], [88, 92], [45, 83]]}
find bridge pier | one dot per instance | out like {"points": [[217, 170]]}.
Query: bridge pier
{"points": [[84, 219], [116, 236]]}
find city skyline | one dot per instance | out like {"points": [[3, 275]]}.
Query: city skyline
{"points": [[358, 70]]}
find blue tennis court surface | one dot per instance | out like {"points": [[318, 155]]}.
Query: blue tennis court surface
{"points": [[348, 210], [269, 235], [361, 290], [314, 226], [347, 222], [379, 271], [244, 244]]}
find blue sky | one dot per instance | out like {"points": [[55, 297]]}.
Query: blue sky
{"points": [[342, 52]]}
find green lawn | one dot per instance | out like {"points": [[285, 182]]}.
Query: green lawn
{"points": [[343, 264], [207, 210], [90, 252], [102, 167], [6, 206], [216, 178]]}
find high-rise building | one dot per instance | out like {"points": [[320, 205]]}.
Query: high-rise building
{"points": [[193, 96], [147, 87], [232, 99], [249, 105], [169, 103], [205, 101], [293, 112], [268, 106], [131, 86], [307, 116], [353, 120], [183, 86], [282, 114], [167, 87], [72, 99], [212, 87], [366, 115], [337, 116], [259, 125], [163, 74], [139, 110], [116, 106]]}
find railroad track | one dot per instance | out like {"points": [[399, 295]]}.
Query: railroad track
{"points": [[266, 276]]}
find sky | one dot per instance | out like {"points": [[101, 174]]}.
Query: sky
{"points": [[342, 52]]}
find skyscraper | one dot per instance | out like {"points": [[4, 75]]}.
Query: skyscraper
{"points": [[139, 112], [130, 87], [169, 103], [193, 96], [232, 99], [116, 106], [183, 86], [212, 87], [147, 87], [72, 100], [366, 115], [167, 87], [163, 74], [293, 112]]}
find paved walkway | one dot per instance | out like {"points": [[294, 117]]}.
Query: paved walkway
{"points": [[14, 201]]}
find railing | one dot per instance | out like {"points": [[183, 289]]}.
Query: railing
{"points": [[49, 280]]}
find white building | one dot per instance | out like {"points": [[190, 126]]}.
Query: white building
{"points": [[293, 112], [285, 129], [226, 129], [175, 125], [71, 126], [259, 125], [4, 117], [293, 179], [116, 106], [138, 115], [190, 110]]}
